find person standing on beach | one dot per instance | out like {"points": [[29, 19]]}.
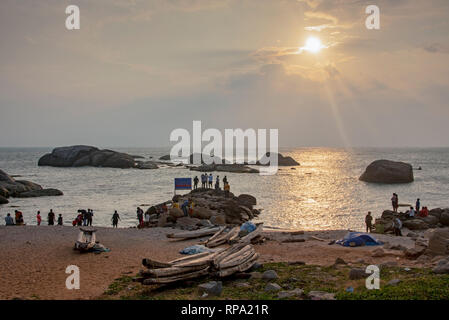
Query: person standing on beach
{"points": [[368, 222], [115, 219], [418, 205], [203, 181], [90, 215], [395, 202], [140, 216], [225, 180], [195, 182], [217, 182], [38, 218], [211, 180], [60, 222], [51, 218]]}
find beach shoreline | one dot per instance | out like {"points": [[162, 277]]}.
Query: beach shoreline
{"points": [[34, 259]]}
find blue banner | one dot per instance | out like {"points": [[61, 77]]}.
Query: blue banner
{"points": [[183, 183]]}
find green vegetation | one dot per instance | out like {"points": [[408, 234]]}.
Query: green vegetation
{"points": [[415, 284]]}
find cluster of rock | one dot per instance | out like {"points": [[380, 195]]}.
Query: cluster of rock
{"points": [[386, 171], [211, 207], [81, 156], [233, 168], [437, 218], [225, 166], [9, 187]]}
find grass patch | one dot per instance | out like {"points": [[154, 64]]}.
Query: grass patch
{"points": [[415, 284]]}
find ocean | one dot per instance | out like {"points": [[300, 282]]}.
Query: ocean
{"points": [[323, 193]]}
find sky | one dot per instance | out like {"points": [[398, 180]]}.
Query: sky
{"points": [[138, 69]]}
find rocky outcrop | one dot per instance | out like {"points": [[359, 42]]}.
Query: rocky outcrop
{"points": [[3, 200], [438, 242], [146, 165], [386, 171], [40, 193], [436, 218], [233, 168], [80, 156], [282, 161], [9, 187], [211, 207]]}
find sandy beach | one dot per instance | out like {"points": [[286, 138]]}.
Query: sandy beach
{"points": [[34, 259]]}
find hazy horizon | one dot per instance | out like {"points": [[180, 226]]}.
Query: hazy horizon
{"points": [[138, 69]]}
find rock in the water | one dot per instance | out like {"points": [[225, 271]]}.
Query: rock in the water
{"points": [[270, 275], [22, 188], [80, 155], [270, 287], [282, 161], [213, 288], [247, 200], [357, 273], [4, 192], [146, 165], [231, 167], [321, 295], [386, 171], [3, 200], [41, 193]]}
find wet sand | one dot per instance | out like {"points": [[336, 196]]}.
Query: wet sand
{"points": [[33, 259]]}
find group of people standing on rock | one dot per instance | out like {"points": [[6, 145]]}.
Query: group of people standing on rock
{"points": [[397, 223], [207, 181]]}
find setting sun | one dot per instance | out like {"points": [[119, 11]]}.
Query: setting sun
{"points": [[313, 45]]}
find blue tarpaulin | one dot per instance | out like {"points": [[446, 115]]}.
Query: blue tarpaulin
{"points": [[356, 239], [183, 183]]}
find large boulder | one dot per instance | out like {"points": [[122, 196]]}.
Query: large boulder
{"points": [[386, 171], [444, 218], [3, 200], [80, 155], [438, 242], [40, 193], [415, 224], [22, 188], [201, 213], [247, 200]]}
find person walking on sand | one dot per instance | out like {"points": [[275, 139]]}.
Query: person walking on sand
{"points": [[211, 180], [60, 222], [51, 218], [195, 182], [9, 220], [115, 219], [397, 225], [368, 222], [418, 205], [38, 218]]}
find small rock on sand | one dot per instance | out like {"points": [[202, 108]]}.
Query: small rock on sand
{"points": [[272, 287], [357, 273], [321, 295], [270, 275]]}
